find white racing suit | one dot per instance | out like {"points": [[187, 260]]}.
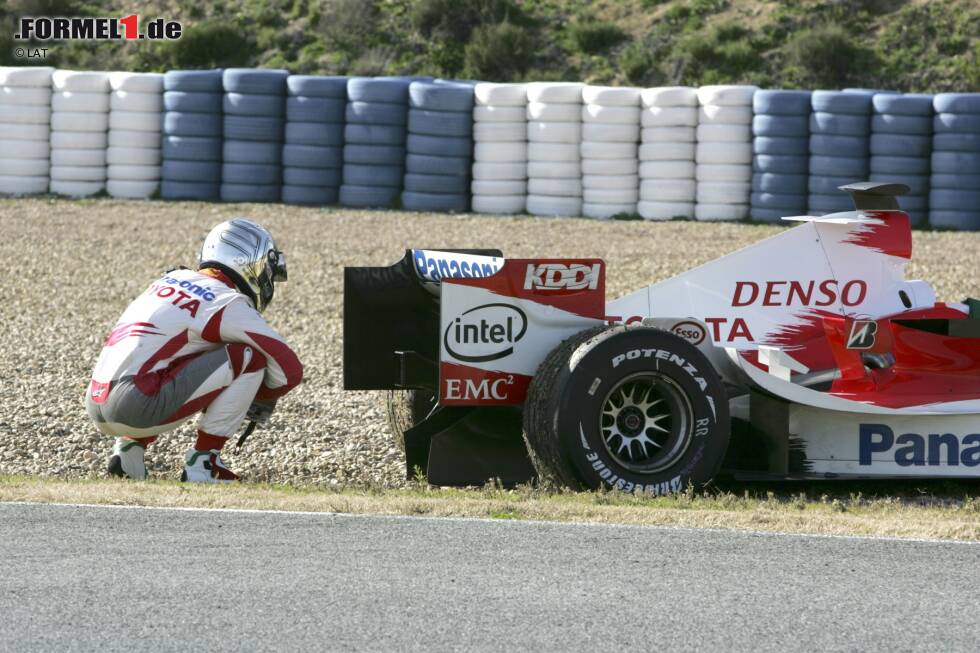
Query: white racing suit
{"points": [[190, 343]]}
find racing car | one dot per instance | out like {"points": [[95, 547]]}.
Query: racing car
{"points": [[807, 355]]}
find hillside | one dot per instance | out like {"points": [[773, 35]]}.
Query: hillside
{"points": [[907, 45]]}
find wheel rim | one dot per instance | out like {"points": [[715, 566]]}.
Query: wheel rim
{"points": [[646, 422]]}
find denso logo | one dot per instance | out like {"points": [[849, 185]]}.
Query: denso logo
{"points": [[915, 450], [799, 293], [559, 276], [485, 333]]}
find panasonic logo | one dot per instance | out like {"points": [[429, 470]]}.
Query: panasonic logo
{"points": [[916, 450], [485, 333]]}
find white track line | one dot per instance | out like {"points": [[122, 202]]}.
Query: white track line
{"points": [[511, 522]]}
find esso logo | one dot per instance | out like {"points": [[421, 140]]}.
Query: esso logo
{"points": [[690, 331], [559, 276]]}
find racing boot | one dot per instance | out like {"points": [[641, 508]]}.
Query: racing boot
{"points": [[206, 467], [126, 460]]}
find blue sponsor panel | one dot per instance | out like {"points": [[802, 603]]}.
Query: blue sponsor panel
{"points": [[780, 154], [313, 148], [432, 265], [840, 129], [191, 147], [918, 449], [901, 146], [955, 162]]}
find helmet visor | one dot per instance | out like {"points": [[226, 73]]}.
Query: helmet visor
{"points": [[279, 267]]}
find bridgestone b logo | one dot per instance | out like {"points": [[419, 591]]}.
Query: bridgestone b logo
{"points": [[61, 28]]}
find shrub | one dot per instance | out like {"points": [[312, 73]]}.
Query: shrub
{"points": [[210, 44], [824, 56], [638, 66], [499, 52], [594, 37]]}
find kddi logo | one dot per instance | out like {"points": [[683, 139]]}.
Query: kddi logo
{"points": [[485, 333], [558, 276]]}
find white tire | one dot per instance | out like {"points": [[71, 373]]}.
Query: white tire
{"points": [[724, 133], [553, 169], [77, 121], [78, 158], [21, 96], [484, 187], [129, 101], [723, 192], [711, 172], [18, 185], [610, 166], [669, 96], [500, 94], [78, 173], [499, 114], [717, 212], [24, 167], [557, 187], [21, 132], [667, 152], [669, 117], [724, 153], [79, 102], [78, 140], [618, 196], [599, 150], [139, 156], [609, 182], [605, 133], [25, 149], [557, 92], [610, 115], [546, 205], [136, 121], [668, 134], [88, 81], [23, 114], [134, 190], [133, 173], [726, 115], [666, 170], [26, 76], [136, 82], [499, 131], [127, 138], [668, 190], [611, 96], [599, 211], [554, 112], [727, 95], [76, 188], [665, 210], [500, 152], [498, 203], [565, 152], [500, 171]]}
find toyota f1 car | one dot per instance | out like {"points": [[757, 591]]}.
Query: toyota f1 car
{"points": [[806, 355]]}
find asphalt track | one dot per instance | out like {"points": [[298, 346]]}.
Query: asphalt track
{"points": [[89, 578]]}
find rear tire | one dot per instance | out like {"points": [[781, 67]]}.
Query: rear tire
{"points": [[405, 409]]}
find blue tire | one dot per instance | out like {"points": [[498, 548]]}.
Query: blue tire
{"points": [[839, 146], [781, 103], [253, 104], [251, 173], [910, 104], [251, 152], [208, 172], [954, 200], [772, 182], [189, 190], [192, 101], [441, 96], [250, 193], [887, 123], [781, 145], [821, 204], [779, 201], [790, 165], [309, 195], [327, 134], [959, 220], [448, 184], [957, 103], [956, 143], [900, 145], [960, 123], [376, 113], [312, 156], [373, 175], [253, 128], [439, 146], [841, 102], [440, 123], [191, 148], [374, 134], [317, 86], [792, 126], [179, 123], [435, 202], [953, 181], [438, 165], [193, 81], [962, 163], [368, 196], [315, 109], [378, 89], [391, 155], [835, 124], [264, 81], [311, 176], [918, 184], [828, 184], [900, 165], [774, 216]]}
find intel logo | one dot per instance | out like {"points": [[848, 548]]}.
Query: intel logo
{"points": [[485, 333]]}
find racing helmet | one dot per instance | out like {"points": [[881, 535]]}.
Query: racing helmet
{"points": [[245, 251]]}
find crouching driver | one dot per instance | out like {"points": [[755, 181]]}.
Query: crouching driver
{"points": [[196, 342]]}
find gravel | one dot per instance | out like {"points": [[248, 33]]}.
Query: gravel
{"points": [[74, 265]]}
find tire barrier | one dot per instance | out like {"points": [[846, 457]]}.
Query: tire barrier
{"points": [[439, 148], [723, 155], [780, 128], [500, 148], [135, 120], [374, 141], [315, 109], [79, 126], [954, 200], [901, 129], [25, 132], [190, 149], [839, 146], [554, 136], [610, 138], [668, 122], [254, 105]]}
